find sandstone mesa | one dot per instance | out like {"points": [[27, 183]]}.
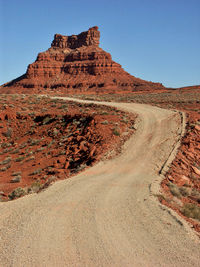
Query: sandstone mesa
{"points": [[76, 64]]}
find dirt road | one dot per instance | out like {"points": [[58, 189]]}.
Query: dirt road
{"points": [[106, 215]]}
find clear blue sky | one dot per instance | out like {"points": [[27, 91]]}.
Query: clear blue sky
{"points": [[156, 40]]}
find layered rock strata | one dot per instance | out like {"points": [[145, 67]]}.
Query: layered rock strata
{"points": [[76, 64]]}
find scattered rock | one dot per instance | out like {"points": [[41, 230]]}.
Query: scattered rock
{"points": [[61, 159], [184, 180], [93, 149], [66, 165], [80, 141], [196, 170]]}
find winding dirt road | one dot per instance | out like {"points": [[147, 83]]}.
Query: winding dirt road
{"points": [[105, 216]]}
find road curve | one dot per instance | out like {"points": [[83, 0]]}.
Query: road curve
{"points": [[106, 215]]}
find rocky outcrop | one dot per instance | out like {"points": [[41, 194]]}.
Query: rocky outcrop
{"points": [[76, 64], [54, 138], [90, 37]]}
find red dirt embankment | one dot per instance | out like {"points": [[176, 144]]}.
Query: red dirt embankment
{"points": [[43, 140], [182, 182]]}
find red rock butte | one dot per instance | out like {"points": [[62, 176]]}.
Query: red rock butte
{"points": [[76, 64]]}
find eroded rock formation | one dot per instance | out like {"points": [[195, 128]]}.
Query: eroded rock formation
{"points": [[76, 64], [90, 37]]}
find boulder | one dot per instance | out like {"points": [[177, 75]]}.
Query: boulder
{"points": [[196, 170]]}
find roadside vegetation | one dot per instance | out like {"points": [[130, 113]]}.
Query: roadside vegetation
{"points": [[43, 140]]}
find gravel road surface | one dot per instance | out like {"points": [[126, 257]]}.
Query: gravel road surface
{"points": [[105, 216]]}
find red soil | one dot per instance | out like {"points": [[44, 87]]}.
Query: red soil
{"points": [[77, 65], [185, 170], [46, 139]]}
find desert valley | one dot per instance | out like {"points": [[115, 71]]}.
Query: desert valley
{"points": [[96, 161]]}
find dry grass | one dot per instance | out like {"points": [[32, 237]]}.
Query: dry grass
{"points": [[191, 210]]}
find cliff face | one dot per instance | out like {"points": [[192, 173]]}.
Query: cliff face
{"points": [[90, 37], [76, 64]]}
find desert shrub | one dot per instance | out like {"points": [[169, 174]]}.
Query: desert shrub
{"points": [[104, 113], [104, 122], [31, 158], [6, 161], [46, 120], [51, 179], [4, 145], [174, 190], [16, 179], [40, 149], [125, 120], [23, 145], [8, 133], [18, 192], [116, 132], [31, 114], [5, 150], [193, 177], [64, 106], [19, 159], [55, 131], [35, 187], [196, 194], [51, 143], [76, 121], [16, 173], [3, 169], [37, 171], [16, 151], [50, 170], [81, 167], [8, 150], [185, 191], [191, 210], [34, 142], [30, 153], [54, 100]]}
